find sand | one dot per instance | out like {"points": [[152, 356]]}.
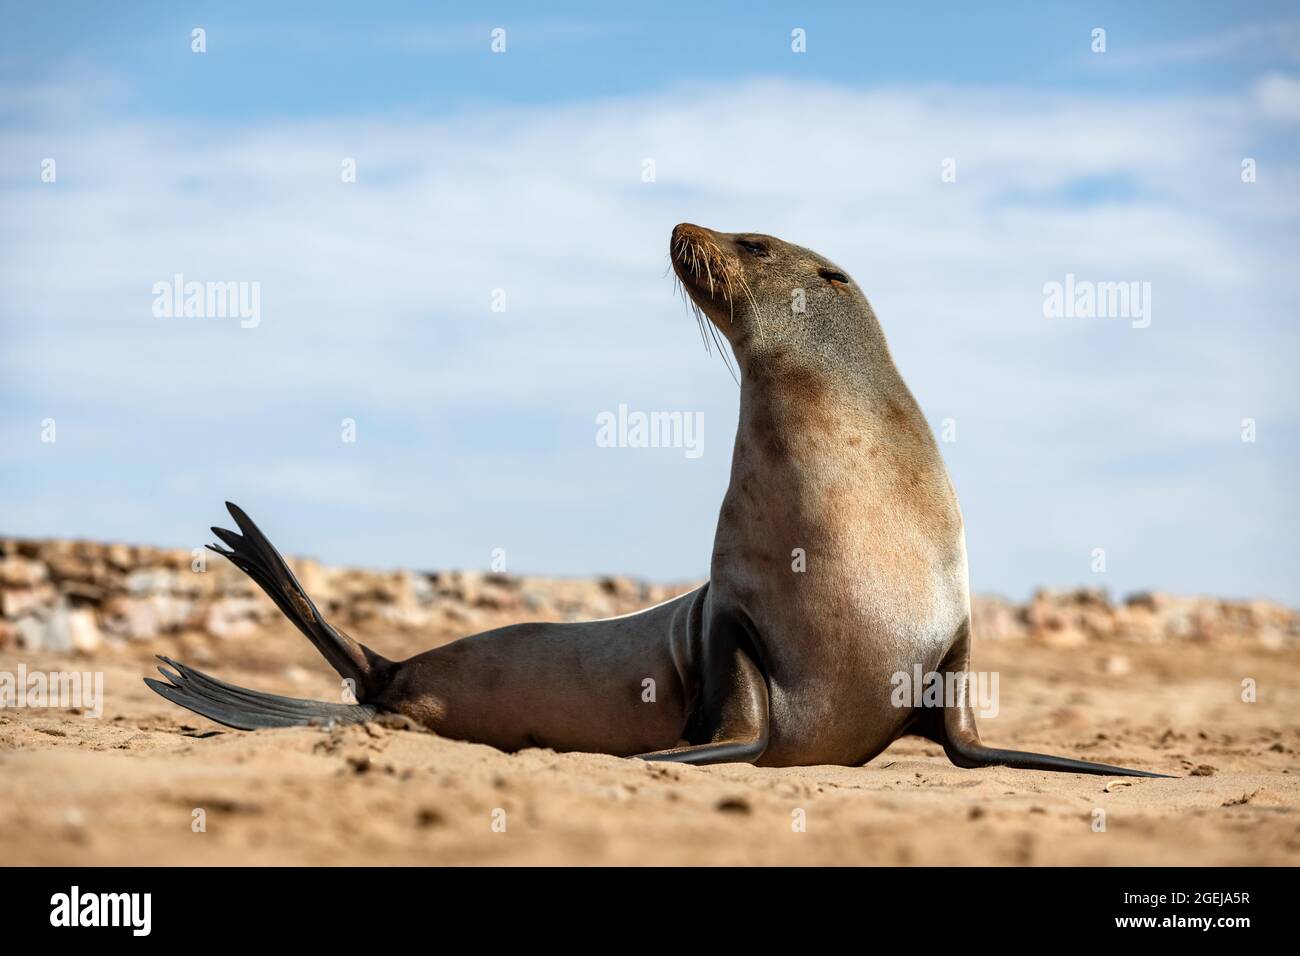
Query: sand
{"points": [[124, 788]]}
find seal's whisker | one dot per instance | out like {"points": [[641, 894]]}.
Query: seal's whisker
{"points": [[695, 311], [718, 259], [701, 322], [702, 259], [726, 358]]}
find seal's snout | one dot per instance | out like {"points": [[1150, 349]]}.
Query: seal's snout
{"points": [[687, 230], [686, 239], [703, 261]]}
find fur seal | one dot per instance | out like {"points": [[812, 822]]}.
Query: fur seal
{"points": [[766, 663]]}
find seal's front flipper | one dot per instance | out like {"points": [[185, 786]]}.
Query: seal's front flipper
{"points": [[734, 716], [724, 751], [246, 709], [960, 738]]}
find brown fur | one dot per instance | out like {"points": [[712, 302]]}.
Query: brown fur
{"points": [[769, 662], [832, 456]]}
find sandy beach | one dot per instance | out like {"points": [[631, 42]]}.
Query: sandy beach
{"points": [[125, 788]]}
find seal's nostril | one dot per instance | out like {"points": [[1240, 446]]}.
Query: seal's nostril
{"points": [[684, 238], [686, 230]]}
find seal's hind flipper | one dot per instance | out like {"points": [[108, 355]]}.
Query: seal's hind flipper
{"points": [[253, 553], [246, 709], [960, 738], [967, 753]]}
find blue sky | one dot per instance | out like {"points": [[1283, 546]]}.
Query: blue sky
{"points": [[522, 171]]}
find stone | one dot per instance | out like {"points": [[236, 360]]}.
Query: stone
{"points": [[58, 629], [83, 631], [231, 617], [22, 601], [69, 595], [30, 633], [21, 572]]}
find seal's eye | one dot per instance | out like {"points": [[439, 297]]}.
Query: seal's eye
{"points": [[830, 275], [751, 246]]}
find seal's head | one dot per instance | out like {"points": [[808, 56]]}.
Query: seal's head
{"points": [[772, 298]]}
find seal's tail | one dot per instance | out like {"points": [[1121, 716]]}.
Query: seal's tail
{"points": [[246, 709], [253, 554]]}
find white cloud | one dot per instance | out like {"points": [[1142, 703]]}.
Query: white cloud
{"points": [[477, 428], [1278, 97]]}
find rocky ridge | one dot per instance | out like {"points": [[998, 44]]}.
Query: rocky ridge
{"points": [[81, 596]]}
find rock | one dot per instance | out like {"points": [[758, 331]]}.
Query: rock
{"points": [[493, 595], [1271, 638], [141, 620], [995, 619], [30, 633], [535, 601], [1147, 600], [1062, 637], [119, 557], [57, 635], [459, 617], [467, 585], [413, 590], [405, 617], [156, 614], [83, 631], [146, 581], [1117, 664], [141, 592], [22, 573], [619, 587], [21, 601], [313, 579], [231, 617]]}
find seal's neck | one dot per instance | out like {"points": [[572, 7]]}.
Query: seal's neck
{"points": [[811, 423], [807, 387]]}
